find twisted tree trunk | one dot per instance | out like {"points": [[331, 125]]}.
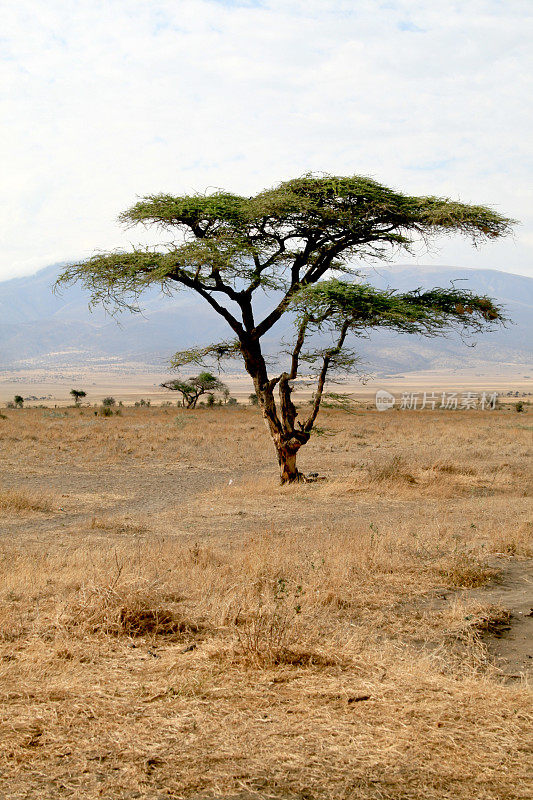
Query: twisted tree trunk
{"points": [[287, 439]]}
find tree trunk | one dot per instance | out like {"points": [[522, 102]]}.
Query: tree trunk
{"points": [[289, 472], [287, 441]]}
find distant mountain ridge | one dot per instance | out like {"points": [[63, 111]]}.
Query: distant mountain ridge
{"points": [[40, 329]]}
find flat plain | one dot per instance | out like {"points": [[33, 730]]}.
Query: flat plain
{"points": [[174, 624]]}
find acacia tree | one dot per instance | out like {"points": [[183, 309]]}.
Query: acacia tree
{"points": [[78, 394], [193, 388], [296, 242]]}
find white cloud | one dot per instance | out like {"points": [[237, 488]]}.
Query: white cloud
{"points": [[104, 101]]}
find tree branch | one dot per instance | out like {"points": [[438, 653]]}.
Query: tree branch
{"points": [[298, 348], [322, 377]]}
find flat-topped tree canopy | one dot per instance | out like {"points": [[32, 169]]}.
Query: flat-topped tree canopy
{"points": [[289, 234], [293, 239]]}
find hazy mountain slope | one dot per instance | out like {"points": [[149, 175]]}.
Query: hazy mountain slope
{"points": [[40, 328]]}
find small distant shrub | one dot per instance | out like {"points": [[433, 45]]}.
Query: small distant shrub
{"points": [[142, 402], [10, 404], [78, 394], [253, 399], [105, 411], [519, 406], [210, 399], [232, 401], [107, 402], [18, 400]]}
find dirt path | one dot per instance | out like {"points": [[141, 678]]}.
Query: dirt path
{"points": [[510, 645]]}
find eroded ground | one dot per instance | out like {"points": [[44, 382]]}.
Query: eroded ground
{"points": [[175, 624]]}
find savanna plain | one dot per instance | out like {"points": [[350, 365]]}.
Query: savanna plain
{"points": [[175, 624]]}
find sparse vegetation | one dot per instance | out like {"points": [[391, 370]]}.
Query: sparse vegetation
{"points": [[18, 401], [161, 611]]}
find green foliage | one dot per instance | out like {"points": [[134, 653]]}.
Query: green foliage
{"points": [[201, 355], [18, 400], [337, 305], [342, 402], [109, 401], [105, 411], [519, 406], [193, 388], [314, 222], [253, 399]]}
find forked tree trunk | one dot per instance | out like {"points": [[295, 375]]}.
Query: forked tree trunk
{"points": [[287, 440]]}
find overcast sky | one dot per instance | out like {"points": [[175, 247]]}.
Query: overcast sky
{"points": [[106, 100]]}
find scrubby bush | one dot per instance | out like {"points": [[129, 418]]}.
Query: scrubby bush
{"points": [[18, 400], [108, 402]]}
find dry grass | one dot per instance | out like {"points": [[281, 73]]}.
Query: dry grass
{"points": [[17, 502], [178, 625]]}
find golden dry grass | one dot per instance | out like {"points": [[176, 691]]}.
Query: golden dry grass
{"points": [[178, 625], [17, 502]]}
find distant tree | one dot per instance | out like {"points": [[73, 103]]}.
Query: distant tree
{"points": [[294, 241], [78, 394], [253, 399], [193, 388], [18, 400], [108, 402]]}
